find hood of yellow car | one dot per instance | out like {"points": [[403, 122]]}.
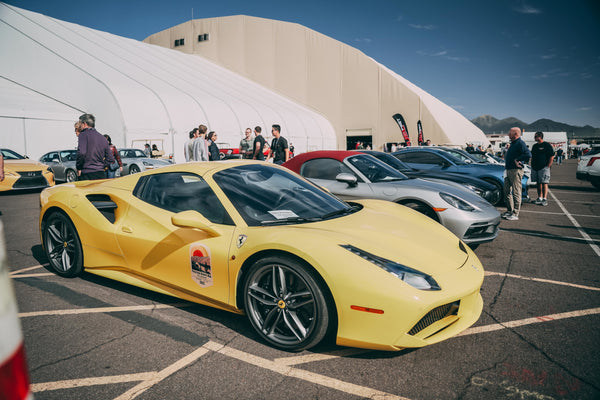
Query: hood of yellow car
{"points": [[397, 233], [24, 165]]}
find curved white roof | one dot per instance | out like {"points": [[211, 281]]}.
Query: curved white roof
{"points": [[59, 70]]}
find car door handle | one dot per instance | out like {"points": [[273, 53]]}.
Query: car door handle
{"points": [[127, 229]]}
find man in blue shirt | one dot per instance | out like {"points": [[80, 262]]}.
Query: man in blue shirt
{"points": [[93, 151], [515, 159]]}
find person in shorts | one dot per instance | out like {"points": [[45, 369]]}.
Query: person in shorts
{"points": [[542, 155]]}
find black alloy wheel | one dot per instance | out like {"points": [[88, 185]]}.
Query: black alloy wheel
{"points": [[286, 304], [62, 245]]}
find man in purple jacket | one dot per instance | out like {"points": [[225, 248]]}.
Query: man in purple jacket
{"points": [[93, 151]]}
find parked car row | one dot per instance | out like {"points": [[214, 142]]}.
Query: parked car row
{"points": [[353, 175], [62, 163], [457, 161]]}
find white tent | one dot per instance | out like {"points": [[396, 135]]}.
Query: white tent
{"points": [[358, 95], [52, 71]]}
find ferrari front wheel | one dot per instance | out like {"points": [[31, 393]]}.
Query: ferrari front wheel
{"points": [[62, 245], [286, 304]]}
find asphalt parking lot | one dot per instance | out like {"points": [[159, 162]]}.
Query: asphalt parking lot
{"points": [[537, 338]]}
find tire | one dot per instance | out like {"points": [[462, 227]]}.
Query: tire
{"points": [[595, 180], [70, 175], [500, 200], [422, 208], [286, 304], [134, 169], [62, 245]]}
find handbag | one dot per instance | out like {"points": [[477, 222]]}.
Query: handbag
{"points": [[113, 166]]}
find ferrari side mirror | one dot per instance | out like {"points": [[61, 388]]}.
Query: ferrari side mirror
{"points": [[193, 219]]}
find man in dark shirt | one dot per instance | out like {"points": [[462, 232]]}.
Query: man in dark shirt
{"points": [[93, 151], [542, 155], [280, 150], [516, 157], [259, 145]]}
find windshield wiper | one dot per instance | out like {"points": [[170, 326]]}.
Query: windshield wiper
{"points": [[341, 211], [289, 220]]}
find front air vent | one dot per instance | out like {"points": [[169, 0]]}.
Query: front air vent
{"points": [[435, 315]]}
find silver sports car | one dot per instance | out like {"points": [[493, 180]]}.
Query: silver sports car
{"points": [[62, 164], [352, 175], [134, 161]]}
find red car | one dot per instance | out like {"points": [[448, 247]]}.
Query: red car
{"points": [[227, 152]]}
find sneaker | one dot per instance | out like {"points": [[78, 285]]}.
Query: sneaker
{"points": [[506, 214], [512, 217], [538, 201], [544, 202]]}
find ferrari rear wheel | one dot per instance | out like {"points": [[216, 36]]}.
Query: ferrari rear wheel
{"points": [[286, 304], [62, 245]]}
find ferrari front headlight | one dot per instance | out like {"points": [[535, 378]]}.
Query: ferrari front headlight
{"points": [[414, 278], [456, 202]]}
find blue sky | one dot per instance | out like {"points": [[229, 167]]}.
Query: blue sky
{"points": [[506, 58]]}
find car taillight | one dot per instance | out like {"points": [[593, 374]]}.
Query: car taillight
{"points": [[14, 381], [589, 164]]}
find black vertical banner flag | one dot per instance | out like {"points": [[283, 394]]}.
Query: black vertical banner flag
{"points": [[402, 124], [420, 132]]}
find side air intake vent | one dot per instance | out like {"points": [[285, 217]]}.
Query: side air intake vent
{"points": [[104, 204]]}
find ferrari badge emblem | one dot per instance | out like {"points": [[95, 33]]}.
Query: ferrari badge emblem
{"points": [[241, 240]]}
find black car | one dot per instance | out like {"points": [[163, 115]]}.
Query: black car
{"points": [[484, 189]]}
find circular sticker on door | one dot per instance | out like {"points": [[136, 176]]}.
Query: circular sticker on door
{"points": [[200, 263]]}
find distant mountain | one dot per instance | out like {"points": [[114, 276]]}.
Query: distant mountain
{"points": [[489, 125]]}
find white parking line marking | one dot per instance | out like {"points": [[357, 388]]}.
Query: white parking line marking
{"points": [[101, 380], [32, 275], [528, 321], [165, 373], [558, 213], [489, 273], [25, 269], [576, 224], [550, 236], [570, 192], [102, 310], [312, 377], [319, 356]]}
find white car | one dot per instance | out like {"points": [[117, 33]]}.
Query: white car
{"points": [[134, 161], [14, 379], [588, 168]]}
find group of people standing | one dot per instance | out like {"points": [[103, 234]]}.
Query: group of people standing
{"points": [[254, 149], [200, 146]]}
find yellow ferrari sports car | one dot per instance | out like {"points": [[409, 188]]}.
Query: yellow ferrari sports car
{"points": [[255, 238], [23, 173]]}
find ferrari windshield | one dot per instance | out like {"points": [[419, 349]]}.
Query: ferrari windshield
{"points": [[265, 195], [375, 170]]}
